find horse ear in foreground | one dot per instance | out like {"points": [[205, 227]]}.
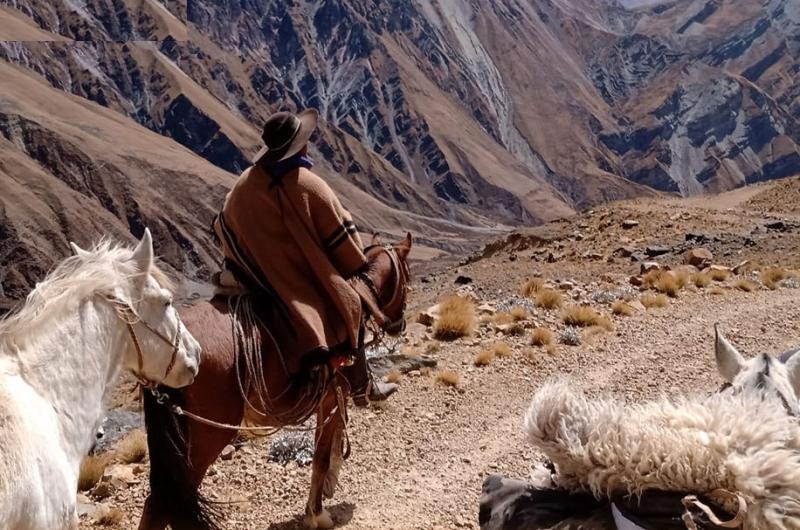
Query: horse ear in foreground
{"points": [[100, 310], [779, 374], [254, 386]]}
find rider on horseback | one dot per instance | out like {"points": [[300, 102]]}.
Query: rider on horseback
{"points": [[285, 233]]}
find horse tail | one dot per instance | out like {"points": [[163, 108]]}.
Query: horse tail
{"points": [[173, 494]]}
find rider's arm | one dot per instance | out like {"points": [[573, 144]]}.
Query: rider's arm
{"points": [[337, 232]]}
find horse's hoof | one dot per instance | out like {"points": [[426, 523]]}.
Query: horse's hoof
{"points": [[322, 520]]}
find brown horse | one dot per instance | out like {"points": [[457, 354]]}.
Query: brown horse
{"points": [[182, 448]]}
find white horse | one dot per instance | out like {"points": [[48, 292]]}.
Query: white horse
{"points": [[98, 311]]}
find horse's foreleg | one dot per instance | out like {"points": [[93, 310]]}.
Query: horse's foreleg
{"points": [[328, 459]]}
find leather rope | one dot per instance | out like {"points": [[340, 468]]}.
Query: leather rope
{"points": [[692, 501]]}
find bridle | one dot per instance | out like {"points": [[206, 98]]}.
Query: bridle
{"points": [[131, 318], [401, 275]]}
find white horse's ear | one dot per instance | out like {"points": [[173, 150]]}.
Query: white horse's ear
{"points": [[729, 361], [76, 250], [376, 240], [143, 255], [793, 368]]}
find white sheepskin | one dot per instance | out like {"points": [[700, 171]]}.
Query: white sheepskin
{"points": [[743, 443]]}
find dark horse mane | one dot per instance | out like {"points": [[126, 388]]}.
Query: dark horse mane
{"points": [[170, 477]]}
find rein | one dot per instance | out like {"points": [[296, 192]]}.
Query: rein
{"points": [[130, 318]]}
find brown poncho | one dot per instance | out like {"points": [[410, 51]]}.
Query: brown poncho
{"points": [[299, 239]]}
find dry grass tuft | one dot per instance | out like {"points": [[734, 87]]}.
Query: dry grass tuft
{"points": [[654, 300], [395, 376], [683, 277], [456, 318], [551, 349], [519, 313], [649, 279], [502, 318], [622, 308], [701, 280], [716, 291], [133, 448], [92, 469], [542, 337], [484, 358], [771, 277], [594, 331], [515, 329], [605, 323], [501, 349], [581, 316], [433, 347], [448, 378], [531, 287], [549, 299], [410, 351], [745, 285], [719, 275], [113, 517], [668, 284]]}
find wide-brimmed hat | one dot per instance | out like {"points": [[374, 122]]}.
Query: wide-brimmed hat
{"points": [[285, 134]]}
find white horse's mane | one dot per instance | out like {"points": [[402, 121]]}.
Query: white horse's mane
{"points": [[99, 270]]}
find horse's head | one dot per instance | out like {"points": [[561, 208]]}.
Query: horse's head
{"points": [[763, 372], [160, 348], [387, 279]]}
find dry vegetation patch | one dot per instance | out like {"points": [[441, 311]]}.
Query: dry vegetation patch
{"points": [[484, 358], [531, 287], [448, 378], [716, 291], [654, 300], [133, 448], [622, 308], [456, 318], [701, 280], [582, 316], [549, 299], [395, 376], [771, 277], [668, 284], [519, 313], [719, 275], [92, 469], [433, 347], [743, 284], [542, 337], [112, 517]]}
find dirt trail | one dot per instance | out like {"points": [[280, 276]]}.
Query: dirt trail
{"points": [[420, 462]]}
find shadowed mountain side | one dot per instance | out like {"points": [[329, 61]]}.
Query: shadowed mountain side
{"points": [[72, 170]]}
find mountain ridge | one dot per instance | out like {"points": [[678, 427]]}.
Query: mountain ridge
{"points": [[454, 119]]}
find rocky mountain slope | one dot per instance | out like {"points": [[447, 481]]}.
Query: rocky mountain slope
{"points": [[451, 118]]}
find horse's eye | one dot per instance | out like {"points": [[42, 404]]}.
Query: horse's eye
{"points": [[168, 303]]}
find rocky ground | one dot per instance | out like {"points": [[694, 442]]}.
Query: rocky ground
{"points": [[420, 460]]}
